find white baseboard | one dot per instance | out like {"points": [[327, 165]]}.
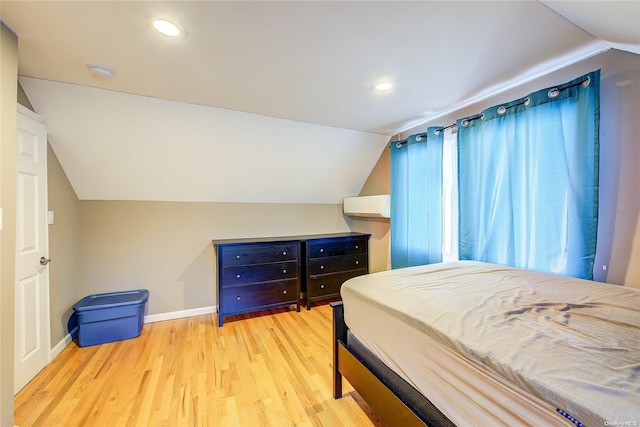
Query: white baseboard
{"points": [[57, 349], [180, 314]]}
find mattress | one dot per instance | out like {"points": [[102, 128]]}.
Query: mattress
{"points": [[490, 344]]}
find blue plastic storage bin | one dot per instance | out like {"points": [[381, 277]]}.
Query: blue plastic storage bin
{"points": [[109, 317]]}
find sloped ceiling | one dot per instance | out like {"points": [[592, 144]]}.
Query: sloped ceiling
{"points": [[615, 22], [117, 146], [272, 101]]}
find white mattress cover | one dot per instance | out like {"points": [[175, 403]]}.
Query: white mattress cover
{"points": [[572, 343]]}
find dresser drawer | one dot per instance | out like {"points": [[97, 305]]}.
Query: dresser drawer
{"points": [[262, 295], [259, 253], [336, 246], [329, 284], [243, 275], [336, 264]]}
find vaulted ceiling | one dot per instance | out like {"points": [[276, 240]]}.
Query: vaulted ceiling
{"points": [[271, 101]]}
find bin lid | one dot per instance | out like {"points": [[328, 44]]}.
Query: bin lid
{"points": [[112, 299]]}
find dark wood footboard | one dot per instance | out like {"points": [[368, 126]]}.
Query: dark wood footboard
{"points": [[389, 406], [339, 336]]}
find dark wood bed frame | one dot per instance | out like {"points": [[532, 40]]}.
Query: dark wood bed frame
{"points": [[393, 408]]}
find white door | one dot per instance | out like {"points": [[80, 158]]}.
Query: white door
{"points": [[32, 340]]}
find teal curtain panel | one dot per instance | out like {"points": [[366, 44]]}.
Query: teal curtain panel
{"points": [[416, 199], [528, 180]]}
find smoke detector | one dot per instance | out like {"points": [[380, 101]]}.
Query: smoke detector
{"points": [[100, 71]]}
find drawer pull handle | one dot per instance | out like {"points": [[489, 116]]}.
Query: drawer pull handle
{"points": [[322, 267], [237, 298], [237, 276], [357, 247], [237, 256], [321, 249], [322, 286], [284, 292], [284, 271], [284, 253], [357, 262]]}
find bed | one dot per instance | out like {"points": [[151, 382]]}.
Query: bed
{"points": [[474, 344]]}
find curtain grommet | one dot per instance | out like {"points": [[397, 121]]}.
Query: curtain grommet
{"points": [[527, 102], [586, 82], [398, 145], [419, 138], [553, 93], [501, 110]]}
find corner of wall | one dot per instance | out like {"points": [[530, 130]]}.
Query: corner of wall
{"points": [[8, 132]]}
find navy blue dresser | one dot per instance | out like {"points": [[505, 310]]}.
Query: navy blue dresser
{"points": [[257, 275]]}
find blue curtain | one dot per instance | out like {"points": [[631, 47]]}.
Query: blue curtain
{"points": [[528, 180], [416, 200]]}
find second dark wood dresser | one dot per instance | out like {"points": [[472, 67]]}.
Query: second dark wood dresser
{"points": [[331, 260]]}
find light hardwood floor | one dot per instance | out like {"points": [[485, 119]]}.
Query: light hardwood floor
{"points": [[257, 370]]}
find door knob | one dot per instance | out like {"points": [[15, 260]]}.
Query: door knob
{"points": [[44, 261]]}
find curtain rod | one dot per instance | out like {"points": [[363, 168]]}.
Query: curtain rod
{"points": [[444, 128], [553, 92], [421, 135], [404, 141]]}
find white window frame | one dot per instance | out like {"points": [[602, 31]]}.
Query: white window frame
{"points": [[450, 195]]}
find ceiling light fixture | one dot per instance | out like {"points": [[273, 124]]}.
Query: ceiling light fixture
{"points": [[383, 86], [167, 27], [100, 71]]}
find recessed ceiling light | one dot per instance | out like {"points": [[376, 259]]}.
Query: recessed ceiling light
{"points": [[383, 86], [167, 27]]}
